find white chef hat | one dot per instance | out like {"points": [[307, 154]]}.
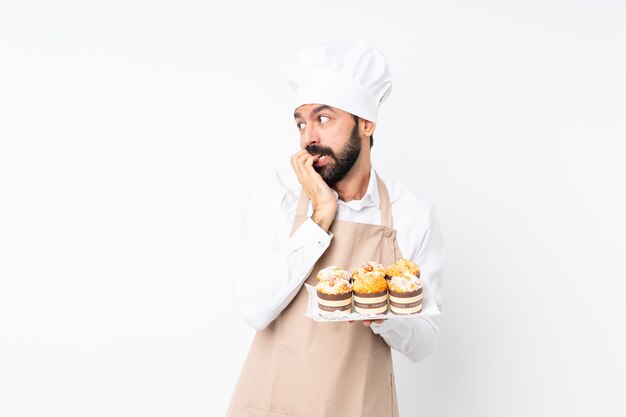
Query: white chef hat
{"points": [[350, 75]]}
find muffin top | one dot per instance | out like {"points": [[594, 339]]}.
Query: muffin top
{"points": [[332, 273], [333, 280], [405, 283], [370, 278], [401, 267]]}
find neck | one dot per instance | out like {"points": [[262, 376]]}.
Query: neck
{"points": [[354, 185]]}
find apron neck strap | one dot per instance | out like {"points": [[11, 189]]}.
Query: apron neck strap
{"points": [[303, 204], [385, 203]]}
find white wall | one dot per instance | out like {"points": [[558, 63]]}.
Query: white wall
{"points": [[130, 133]]}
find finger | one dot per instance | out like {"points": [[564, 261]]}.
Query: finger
{"points": [[366, 323], [297, 162], [379, 321], [296, 168], [298, 165], [307, 171], [310, 160], [310, 170], [302, 159], [293, 159], [308, 164], [299, 154], [296, 157]]}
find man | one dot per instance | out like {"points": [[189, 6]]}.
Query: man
{"points": [[334, 211]]}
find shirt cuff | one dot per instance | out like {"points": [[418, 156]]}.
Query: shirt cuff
{"points": [[304, 248], [310, 233], [385, 326]]}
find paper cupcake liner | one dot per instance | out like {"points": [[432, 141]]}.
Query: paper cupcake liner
{"points": [[312, 311]]}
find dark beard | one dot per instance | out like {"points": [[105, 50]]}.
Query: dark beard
{"points": [[343, 162]]}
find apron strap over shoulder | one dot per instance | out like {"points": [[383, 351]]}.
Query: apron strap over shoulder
{"points": [[301, 211], [303, 204], [385, 203]]}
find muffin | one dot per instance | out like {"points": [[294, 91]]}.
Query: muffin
{"points": [[405, 287], [401, 266], [370, 289], [334, 291]]}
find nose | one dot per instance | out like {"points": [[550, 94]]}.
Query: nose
{"points": [[309, 136]]}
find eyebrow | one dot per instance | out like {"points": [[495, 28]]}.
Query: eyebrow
{"points": [[316, 110]]}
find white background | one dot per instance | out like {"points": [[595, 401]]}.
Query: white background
{"points": [[132, 131]]}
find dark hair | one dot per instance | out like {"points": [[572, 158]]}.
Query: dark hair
{"points": [[356, 120]]}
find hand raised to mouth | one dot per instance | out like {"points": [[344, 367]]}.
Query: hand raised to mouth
{"points": [[321, 195]]}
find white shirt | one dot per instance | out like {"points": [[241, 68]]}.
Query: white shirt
{"points": [[275, 265]]}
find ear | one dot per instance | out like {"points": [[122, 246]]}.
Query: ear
{"points": [[367, 127]]}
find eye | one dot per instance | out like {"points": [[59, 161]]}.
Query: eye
{"points": [[324, 119], [300, 126]]}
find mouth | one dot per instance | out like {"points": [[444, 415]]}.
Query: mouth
{"points": [[322, 161]]}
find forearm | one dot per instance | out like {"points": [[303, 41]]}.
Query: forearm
{"points": [[272, 273], [414, 337]]}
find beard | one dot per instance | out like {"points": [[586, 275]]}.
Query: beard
{"points": [[332, 173]]}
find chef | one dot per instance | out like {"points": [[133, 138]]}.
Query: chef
{"points": [[332, 209]]}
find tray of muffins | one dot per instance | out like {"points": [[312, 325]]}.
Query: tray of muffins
{"points": [[369, 292]]}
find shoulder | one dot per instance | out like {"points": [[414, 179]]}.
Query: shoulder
{"points": [[405, 199], [415, 220]]}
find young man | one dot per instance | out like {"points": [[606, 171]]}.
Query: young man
{"points": [[335, 210]]}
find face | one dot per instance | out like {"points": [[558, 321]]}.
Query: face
{"points": [[331, 133]]}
